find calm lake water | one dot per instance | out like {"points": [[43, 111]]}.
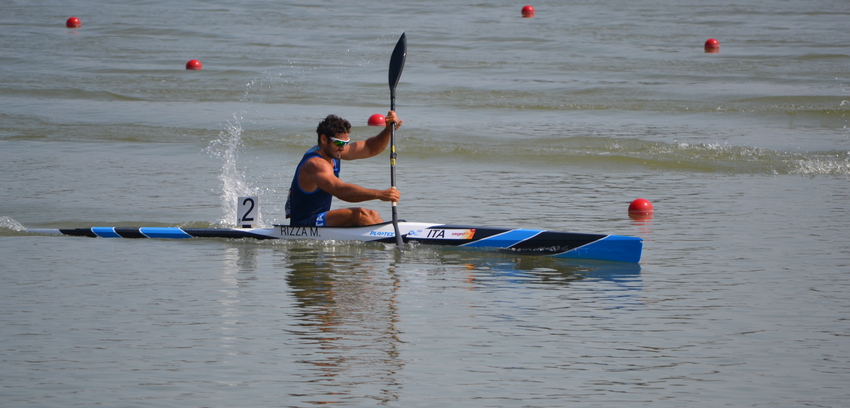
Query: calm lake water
{"points": [[557, 121]]}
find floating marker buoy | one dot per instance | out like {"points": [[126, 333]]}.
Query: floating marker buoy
{"points": [[194, 65], [73, 22], [377, 120], [528, 11], [640, 210], [640, 206], [712, 45]]}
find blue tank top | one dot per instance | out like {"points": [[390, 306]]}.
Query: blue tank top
{"points": [[301, 205]]}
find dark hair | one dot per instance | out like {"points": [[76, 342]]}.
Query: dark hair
{"points": [[332, 126]]}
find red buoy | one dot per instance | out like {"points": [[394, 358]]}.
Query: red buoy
{"points": [[377, 120], [640, 206], [528, 11], [73, 22], [712, 45], [194, 65], [640, 210]]}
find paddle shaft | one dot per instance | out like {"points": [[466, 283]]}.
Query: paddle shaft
{"points": [[393, 154], [398, 239]]}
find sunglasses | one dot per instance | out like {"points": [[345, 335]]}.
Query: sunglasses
{"points": [[338, 142]]}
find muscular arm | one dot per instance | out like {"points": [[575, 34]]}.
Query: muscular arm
{"points": [[318, 173], [373, 145]]}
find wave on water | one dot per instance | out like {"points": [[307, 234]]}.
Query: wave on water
{"points": [[825, 166], [724, 158], [743, 159], [635, 153]]}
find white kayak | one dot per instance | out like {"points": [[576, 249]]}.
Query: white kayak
{"points": [[570, 245]]}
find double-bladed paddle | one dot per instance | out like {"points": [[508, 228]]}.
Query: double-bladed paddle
{"points": [[396, 66]]}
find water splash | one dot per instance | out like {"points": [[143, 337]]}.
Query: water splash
{"points": [[232, 177], [230, 141], [823, 166], [9, 224]]}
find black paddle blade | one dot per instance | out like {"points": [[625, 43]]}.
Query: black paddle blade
{"points": [[397, 62]]}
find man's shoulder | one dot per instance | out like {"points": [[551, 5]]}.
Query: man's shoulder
{"points": [[311, 152], [316, 163], [316, 160]]}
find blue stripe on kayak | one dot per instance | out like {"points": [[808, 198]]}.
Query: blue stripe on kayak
{"points": [[504, 240], [168, 232], [616, 248], [105, 232]]}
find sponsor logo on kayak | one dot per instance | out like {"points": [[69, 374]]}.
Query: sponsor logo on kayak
{"points": [[287, 231], [463, 234], [382, 233], [443, 234]]}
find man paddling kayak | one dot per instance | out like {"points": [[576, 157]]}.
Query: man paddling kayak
{"points": [[316, 180]]}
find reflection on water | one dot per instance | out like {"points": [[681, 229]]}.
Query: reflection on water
{"points": [[616, 284], [506, 268], [353, 328], [347, 319]]}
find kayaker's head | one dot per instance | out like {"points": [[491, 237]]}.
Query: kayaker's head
{"points": [[332, 126], [334, 135]]}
